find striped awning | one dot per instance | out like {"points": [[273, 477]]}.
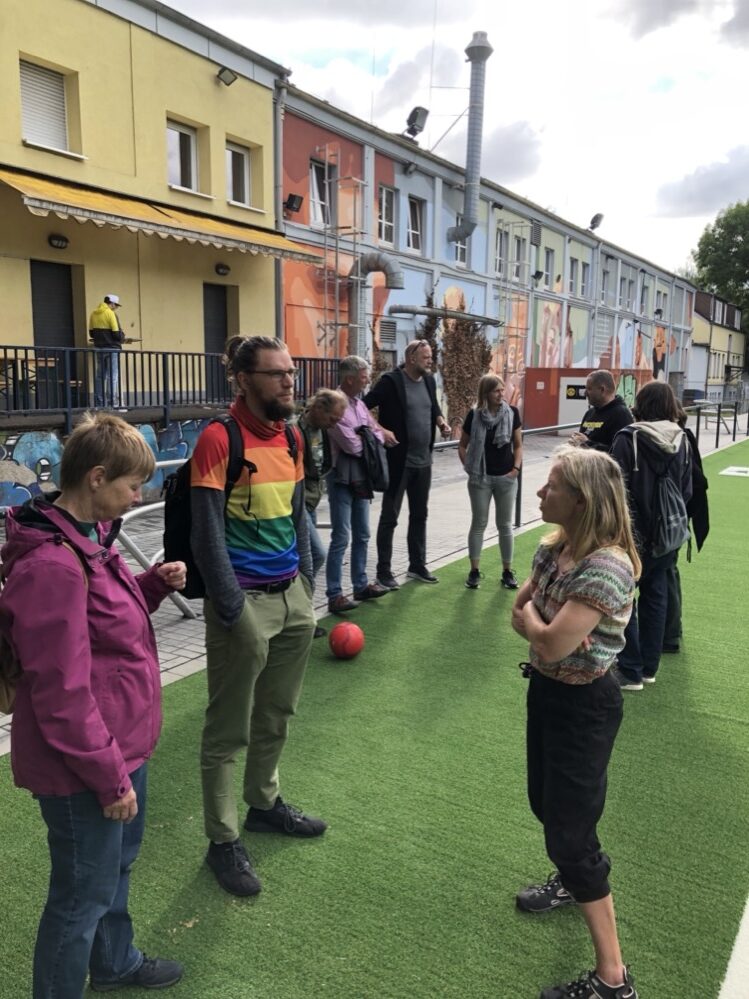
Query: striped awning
{"points": [[83, 204]]}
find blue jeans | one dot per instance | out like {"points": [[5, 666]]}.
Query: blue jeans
{"points": [[85, 924], [107, 378], [349, 518], [315, 543], [644, 633]]}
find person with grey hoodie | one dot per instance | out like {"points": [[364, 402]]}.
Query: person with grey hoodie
{"points": [[654, 445]]}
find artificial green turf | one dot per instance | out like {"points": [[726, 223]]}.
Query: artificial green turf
{"points": [[414, 752]]}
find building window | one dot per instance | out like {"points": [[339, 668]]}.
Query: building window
{"points": [[572, 283], [585, 281], [182, 155], [548, 267], [44, 118], [460, 245], [415, 232], [386, 215], [605, 278], [238, 174], [623, 304], [500, 251], [519, 258], [737, 319], [644, 299], [664, 304], [321, 183]]}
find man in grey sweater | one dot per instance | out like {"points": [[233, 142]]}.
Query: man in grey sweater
{"points": [[253, 553]]}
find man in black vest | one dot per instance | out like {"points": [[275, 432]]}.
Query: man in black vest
{"points": [[406, 400]]}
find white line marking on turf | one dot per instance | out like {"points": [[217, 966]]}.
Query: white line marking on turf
{"points": [[737, 973]]}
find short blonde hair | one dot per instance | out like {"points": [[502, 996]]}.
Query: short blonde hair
{"points": [[106, 440], [605, 520]]}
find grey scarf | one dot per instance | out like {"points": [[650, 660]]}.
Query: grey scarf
{"points": [[500, 425]]}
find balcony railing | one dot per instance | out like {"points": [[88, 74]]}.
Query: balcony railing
{"points": [[62, 381]]}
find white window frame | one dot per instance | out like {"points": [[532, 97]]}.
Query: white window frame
{"points": [[461, 246], [187, 158], [320, 190], [415, 229], [644, 298], [572, 281], [234, 150], [605, 276], [44, 111], [548, 267], [585, 280], [386, 215], [520, 254], [501, 246]]}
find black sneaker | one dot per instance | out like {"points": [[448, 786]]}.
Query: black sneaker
{"points": [[388, 580], [474, 579], [590, 986], [422, 574], [319, 631], [154, 973], [544, 898], [284, 818], [508, 580], [232, 866]]}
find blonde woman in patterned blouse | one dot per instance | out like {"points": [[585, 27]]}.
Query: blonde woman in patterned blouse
{"points": [[573, 610]]}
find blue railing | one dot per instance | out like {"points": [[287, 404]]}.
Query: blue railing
{"points": [[63, 381]]}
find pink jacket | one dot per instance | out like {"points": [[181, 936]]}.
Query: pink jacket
{"points": [[88, 704]]}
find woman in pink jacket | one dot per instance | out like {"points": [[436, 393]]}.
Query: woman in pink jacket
{"points": [[88, 704]]}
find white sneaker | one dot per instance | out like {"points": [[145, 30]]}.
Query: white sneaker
{"points": [[648, 679]]}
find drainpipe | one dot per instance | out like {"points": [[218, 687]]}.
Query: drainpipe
{"points": [[278, 115], [364, 265], [478, 52]]}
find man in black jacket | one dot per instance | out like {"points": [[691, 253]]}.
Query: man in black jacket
{"points": [[608, 413], [406, 400]]}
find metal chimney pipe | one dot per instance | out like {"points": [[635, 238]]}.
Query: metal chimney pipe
{"points": [[478, 52]]}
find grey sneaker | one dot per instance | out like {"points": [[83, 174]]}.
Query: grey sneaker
{"points": [[545, 897], [590, 986], [388, 580], [508, 579], [422, 574]]}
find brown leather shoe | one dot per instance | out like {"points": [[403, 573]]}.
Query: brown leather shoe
{"points": [[371, 591], [341, 604]]}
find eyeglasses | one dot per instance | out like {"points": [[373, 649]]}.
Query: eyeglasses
{"points": [[278, 373]]}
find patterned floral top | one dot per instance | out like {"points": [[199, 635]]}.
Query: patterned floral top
{"points": [[603, 580]]}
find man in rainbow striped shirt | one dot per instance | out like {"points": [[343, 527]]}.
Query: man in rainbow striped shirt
{"points": [[254, 556]]}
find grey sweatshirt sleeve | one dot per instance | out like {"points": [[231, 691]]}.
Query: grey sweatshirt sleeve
{"points": [[299, 516], [208, 543]]}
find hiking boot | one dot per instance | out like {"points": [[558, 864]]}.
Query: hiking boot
{"points": [[590, 986], [422, 574], [508, 579], [284, 818], [154, 973], [474, 579], [319, 631], [388, 580], [544, 898], [232, 866], [371, 591], [340, 604], [624, 681]]}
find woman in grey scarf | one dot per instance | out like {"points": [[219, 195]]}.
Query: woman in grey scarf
{"points": [[491, 450]]}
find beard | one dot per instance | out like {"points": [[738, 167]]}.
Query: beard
{"points": [[276, 410]]}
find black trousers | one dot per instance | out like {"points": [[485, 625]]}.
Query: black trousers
{"points": [[414, 483], [570, 735]]}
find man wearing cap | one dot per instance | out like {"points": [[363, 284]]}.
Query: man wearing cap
{"points": [[107, 336]]}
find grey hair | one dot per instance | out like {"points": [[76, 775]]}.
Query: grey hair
{"points": [[603, 379], [351, 365]]}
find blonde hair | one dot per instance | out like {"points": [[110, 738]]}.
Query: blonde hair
{"points": [[605, 519], [487, 384], [106, 440], [327, 399]]}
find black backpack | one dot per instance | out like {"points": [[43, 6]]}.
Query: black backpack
{"points": [[375, 460], [177, 507]]}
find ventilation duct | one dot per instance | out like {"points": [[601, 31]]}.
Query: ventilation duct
{"points": [[367, 263], [478, 52]]}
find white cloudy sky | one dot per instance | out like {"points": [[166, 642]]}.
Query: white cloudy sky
{"points": [[632, 108]]}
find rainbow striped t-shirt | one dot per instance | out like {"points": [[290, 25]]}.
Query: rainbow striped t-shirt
{"points": [[259, 528]]}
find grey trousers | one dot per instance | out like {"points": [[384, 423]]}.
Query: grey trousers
{"points": [[502, 490], [255, 674]]}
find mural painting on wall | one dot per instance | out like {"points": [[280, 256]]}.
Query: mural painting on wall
{"points": [[508, 355], [310, 309]]}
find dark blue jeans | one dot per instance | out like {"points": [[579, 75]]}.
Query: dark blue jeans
{"points": [[644, 633], [85, 924]]}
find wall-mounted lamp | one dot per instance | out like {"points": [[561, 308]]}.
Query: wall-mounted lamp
{"points": [[658, 313], [293, 203], [222, 269], [537, 275], [409, 168], [57, 241], [497, 205], [227, 76]]}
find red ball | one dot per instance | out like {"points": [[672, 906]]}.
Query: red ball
{"points": [[346, 640]]}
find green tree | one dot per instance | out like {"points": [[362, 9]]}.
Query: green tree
{"points": [[722, 257]]}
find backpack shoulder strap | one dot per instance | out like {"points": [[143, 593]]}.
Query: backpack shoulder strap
{"points": [[236, 461], [292, 439]]}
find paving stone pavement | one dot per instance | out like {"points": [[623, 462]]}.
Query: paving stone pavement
{"points": [[181, 640]]}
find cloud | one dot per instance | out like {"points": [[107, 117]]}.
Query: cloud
{"points": [[708, 189], [412, 14], [407, 78], [511, 153], [736, 31], [644, 16]]}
